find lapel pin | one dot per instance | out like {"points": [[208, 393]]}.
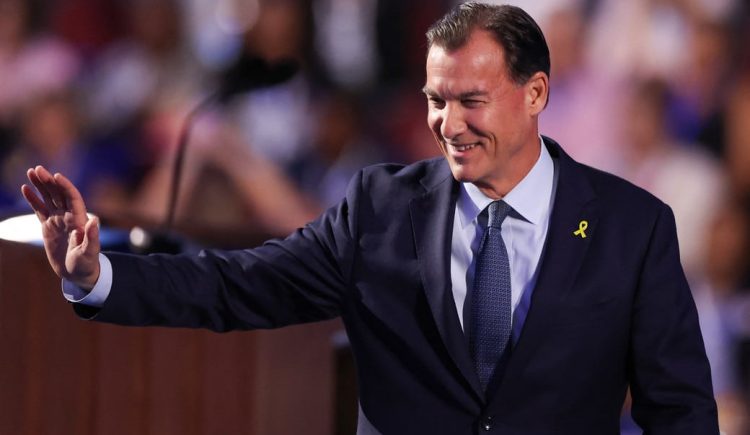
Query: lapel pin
{"points": [[581, 229]]}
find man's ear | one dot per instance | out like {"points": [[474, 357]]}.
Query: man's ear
{"points": [[537, 92]]}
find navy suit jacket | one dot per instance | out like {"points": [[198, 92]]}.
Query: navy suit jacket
{"points": [[609, 311]]}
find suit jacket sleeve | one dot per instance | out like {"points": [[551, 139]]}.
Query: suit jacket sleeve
{"points": [[670, 377], [295, 280]]}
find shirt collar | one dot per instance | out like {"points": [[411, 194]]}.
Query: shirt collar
{"points": [[530, 197]]}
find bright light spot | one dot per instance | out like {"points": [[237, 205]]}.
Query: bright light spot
{"points": [[25, 229], [139, 237]]}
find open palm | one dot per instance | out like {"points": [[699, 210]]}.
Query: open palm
{"points": [[71, 238]]}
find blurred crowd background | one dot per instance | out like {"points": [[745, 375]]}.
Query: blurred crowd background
{"points": [[656, 91]]}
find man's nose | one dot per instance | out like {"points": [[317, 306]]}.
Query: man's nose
{"points": [[454, 123]]}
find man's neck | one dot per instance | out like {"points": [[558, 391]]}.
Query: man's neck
{"points": [[527, 158]]}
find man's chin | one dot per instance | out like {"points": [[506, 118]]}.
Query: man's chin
{"points": [[462, 175]]}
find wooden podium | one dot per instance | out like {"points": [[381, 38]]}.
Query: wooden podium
{"points": [[63, 375]]}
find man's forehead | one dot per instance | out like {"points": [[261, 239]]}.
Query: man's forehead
{"points": [[467, 71], [477, 41], [480, 52]]}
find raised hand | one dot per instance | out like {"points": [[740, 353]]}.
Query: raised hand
{"points": [[71, 239]]}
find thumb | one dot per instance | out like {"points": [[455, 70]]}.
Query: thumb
{"points": [[91, 235]]}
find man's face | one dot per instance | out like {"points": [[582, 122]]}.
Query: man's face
{"points": [[483, 122]]}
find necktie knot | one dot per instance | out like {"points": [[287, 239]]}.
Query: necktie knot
{"points": [[498, 211]]}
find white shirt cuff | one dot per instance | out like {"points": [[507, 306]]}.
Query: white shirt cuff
{"points": [[98, 295]]}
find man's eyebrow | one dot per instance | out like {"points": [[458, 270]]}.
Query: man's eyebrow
{"points": [[463, 96], [429, 92], [471, 94]]}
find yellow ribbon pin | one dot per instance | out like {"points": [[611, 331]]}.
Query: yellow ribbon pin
{"points": [[581, 229]]}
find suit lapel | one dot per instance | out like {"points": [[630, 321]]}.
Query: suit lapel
{"points": [[432, 223], [561, 261]]}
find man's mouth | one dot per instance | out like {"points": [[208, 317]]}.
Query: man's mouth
{"points": [[462, 148]]}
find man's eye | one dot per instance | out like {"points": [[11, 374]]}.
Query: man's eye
{"points": [[436, 102], [472, 103]]}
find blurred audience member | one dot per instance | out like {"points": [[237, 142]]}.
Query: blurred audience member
{"points": [[697, 93], [580, 113], [276, 121], [718, 296], [151, 66], [341, 148], [640, 37], [32, 62], [345, 41], [685, 177], [50, 134]]}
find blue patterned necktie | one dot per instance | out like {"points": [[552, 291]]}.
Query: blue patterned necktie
{"points": [[490, 327]]}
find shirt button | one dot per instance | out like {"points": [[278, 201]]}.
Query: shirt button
{"points": [[487, 424]]}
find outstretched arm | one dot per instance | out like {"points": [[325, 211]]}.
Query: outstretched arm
{"points": [[71, 238]]}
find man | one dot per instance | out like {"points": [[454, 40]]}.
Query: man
{"points": [[535, 325]]}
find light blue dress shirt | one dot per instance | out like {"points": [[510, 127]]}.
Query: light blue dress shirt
{"points": [[524, 232]]}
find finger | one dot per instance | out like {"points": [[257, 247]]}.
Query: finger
{"points": [[91, 235], [37, 179], [72, 197], [49, 189], [53, 189], [35, 202], [75, 239]]}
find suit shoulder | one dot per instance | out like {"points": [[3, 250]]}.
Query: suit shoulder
{"points": [[615, 193], [387, 176], [621, 193], [413, 172]]}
